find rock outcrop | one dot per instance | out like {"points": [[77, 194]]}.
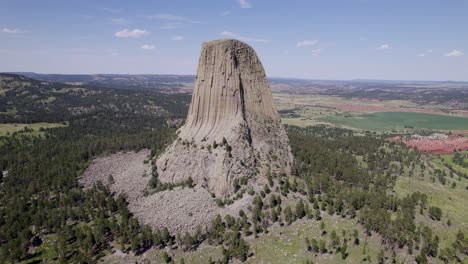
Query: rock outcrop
{"points": [[232, 129]]}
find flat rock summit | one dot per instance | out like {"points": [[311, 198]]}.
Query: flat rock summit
{"points": [[233, 132]]}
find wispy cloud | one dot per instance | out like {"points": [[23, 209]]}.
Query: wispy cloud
{"points": [[425, 53], [112, 52], [84, 16], [316, 52], [170, 17], [244, 4], [240, 37], [226, 13], [80, 50], [120, 21], [10, 30], [384, 47], [306, 43], [112, 10], [454, 53], [171, 21], [135, 33], [148, 47], [178, 38], [228, 34]]}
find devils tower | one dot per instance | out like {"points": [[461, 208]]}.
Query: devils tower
{"points": [[233, 132]]}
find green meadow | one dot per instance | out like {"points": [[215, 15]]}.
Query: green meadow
{"points": [[400, 120], [10, 128]]}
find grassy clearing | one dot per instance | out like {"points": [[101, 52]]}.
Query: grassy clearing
{"points": [[46, 252], [48, 100], [448, 159], [302, 122], [287, 244], [284, 245], [11, 128], [11, 111], [452, 201], [400, 120]]}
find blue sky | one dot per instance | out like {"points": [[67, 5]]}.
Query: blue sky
{"points": [[329, 39]]}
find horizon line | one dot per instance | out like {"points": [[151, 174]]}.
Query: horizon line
{"points": [[272, 77]]}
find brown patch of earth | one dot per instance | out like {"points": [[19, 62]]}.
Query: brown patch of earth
{"points": [[460, 132], [180, 209]]}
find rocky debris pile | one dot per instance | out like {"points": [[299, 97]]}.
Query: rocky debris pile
{"points": [[232, 130], [180, 210]]}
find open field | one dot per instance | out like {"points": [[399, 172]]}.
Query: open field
{"points": [[377, 115], [288, 101], [385, 121], [11, 128]]}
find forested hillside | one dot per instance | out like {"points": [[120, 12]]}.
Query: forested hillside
{"points": [[40, 200]]}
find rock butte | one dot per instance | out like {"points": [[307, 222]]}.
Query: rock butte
{"points": [[231, 102]]}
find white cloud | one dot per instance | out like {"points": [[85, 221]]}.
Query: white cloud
{"points": [[243, 38], [136, 33], [120, 21], [429, 51], [422, 55], [244, 4], [454, 53], [384, 47], [228, 34], [148, 47], [10, 30], [226, 13], [178, 38], [306, 43]]}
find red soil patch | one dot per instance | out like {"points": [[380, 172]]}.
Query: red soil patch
{"points": [[372, 108], [441, 146]]}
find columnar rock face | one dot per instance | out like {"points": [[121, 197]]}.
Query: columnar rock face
{"points": [[232, 128]]}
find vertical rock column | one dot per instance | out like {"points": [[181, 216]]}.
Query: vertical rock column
{"points": [[232, 103]]}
